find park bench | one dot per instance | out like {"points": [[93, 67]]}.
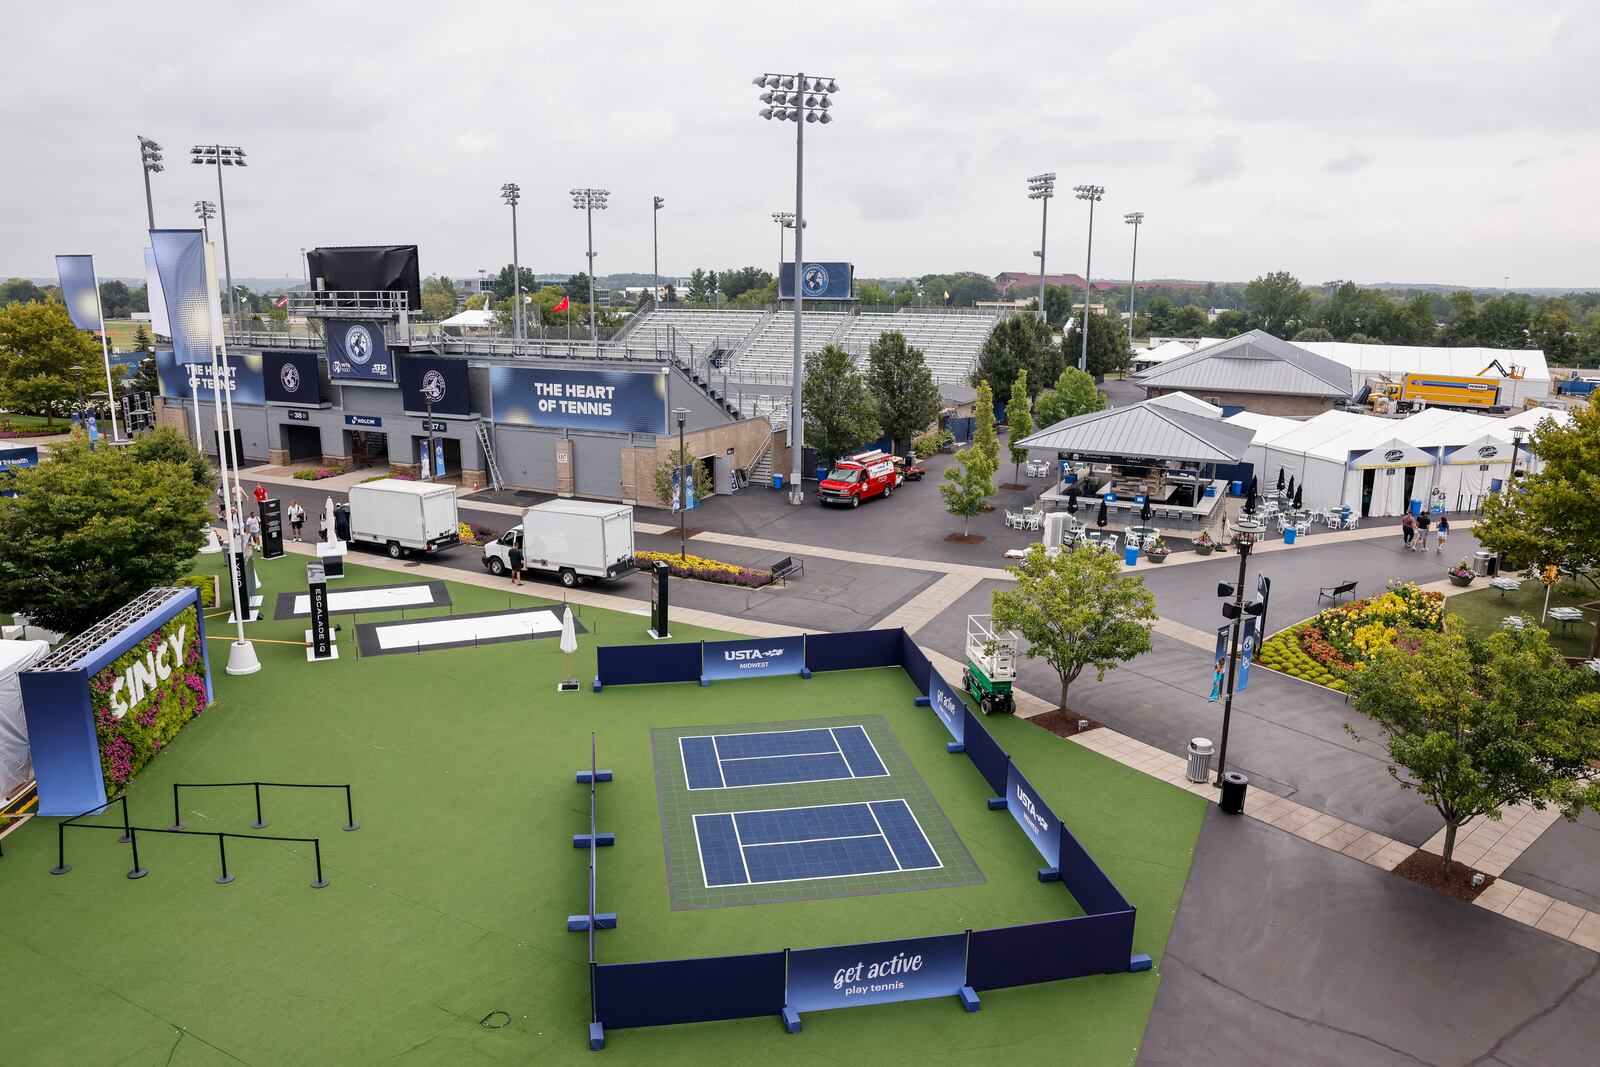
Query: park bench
{"points": [[1334, 592], [787, 566]]}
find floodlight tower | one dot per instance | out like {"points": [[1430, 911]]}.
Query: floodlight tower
{"points": [[655, 252], [1090, 193], [1134, 219], [150, 156], [1042, 187], [219, 156], [511, 192], [800, 100], [589, 201], [205, 211]]}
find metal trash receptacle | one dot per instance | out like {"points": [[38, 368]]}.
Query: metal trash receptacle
{"points": [[1200, 750], [1234, 785], [1483, 563]]}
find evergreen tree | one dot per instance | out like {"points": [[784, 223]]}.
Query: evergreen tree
{"points": [[1019, 419], [983, 436]]}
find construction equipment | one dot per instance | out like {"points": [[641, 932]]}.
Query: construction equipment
{"points": [[1515, 373], [1413, 392], [991, 664]]}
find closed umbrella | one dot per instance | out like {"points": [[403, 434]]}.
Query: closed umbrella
{"points": [[1072, 500], [1253, 489], [1101, 519], [569, 640], [1280, 480], [1290, 490], [1299, 497], [1144, 512]]}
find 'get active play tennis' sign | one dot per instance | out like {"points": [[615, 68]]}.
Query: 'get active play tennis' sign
{"points": [[880, 973]]}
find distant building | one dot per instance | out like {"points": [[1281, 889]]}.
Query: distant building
{"points": [[1016, 280], [1256, 372]]}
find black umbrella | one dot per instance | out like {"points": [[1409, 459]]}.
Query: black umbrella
{"points": [[1280, 480], [1291, 485], [1253, 489], [1144, 512], [1299, 495], [1072, 499], [1101, 519], [1250, 500]]}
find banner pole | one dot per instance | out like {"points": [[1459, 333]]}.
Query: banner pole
{"points": [[105, 352]]}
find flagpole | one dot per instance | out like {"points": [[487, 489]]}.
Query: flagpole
{"points": [[105, 351]]}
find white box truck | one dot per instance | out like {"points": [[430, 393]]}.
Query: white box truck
{"points": [[403, 517], [574, 539]]}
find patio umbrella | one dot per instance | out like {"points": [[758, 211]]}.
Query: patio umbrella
{"points": [[1290, 490], [1250, 500], [1280, 480], [1101, 519], [1072, 500], [1253, 490], [569, 638], [1299, 497], [1144, 512]]}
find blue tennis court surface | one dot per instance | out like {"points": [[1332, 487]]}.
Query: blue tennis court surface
{"points": [[780, 757], [798, 844]]}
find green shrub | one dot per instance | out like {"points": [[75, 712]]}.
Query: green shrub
{"points": [[207, 586]]}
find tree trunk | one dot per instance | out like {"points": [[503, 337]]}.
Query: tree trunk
{"points": [[1064, 685], [966, 524], [1016, 472], [1449, 843]]}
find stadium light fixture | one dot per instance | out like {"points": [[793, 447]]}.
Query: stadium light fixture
{"points": [[589, 201], [205, 211], [1042, 187], [1091, 193], [511, 192], [802, 100], [655, 253], [1134, 219], [150, 161], [219, 156]]}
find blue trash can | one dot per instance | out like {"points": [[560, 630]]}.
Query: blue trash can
{"points": [[1238, 489], [1416, 507], [777, 481], [822, 472], [1130, 555], [1211, 490], [1289, 535]]}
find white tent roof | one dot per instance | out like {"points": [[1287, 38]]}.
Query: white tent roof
{"points": [[1182, 401], [1396, 360], [1532, 417], [472, 317], [1163, 352], [1268, 428], [1335, 434]]}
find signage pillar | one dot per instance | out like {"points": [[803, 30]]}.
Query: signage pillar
{"points": [[320, 636], [271, 529], [242, 608], [660, 573]]}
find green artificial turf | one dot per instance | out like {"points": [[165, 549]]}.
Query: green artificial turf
{"points": [[450, 902]]}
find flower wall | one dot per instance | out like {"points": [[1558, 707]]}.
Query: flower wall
{"points": [[146, 696]]}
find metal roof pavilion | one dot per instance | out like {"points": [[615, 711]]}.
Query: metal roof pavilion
{"points": [[1148, 430], [1253, 362]]}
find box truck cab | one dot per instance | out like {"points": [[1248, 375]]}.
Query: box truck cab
{"points": [[858, 477], [577, 540], [402, 517]]}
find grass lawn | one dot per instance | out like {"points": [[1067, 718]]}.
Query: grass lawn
{"points": [[30, 422], [1483, 610], [450, 902]]}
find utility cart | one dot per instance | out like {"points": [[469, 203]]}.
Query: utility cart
{"points": [[991, 664]]}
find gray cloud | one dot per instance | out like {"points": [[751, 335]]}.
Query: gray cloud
{"points": [[1353, 159], [1217, 161]]}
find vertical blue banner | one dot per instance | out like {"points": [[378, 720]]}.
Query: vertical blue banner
{"points": [[422, 457], [438, 457], [947, 705], [1219, 664], [1264, 591], [683, 481], [1247, 653], [752, 657], [1034, 816], [180, 261], [851, 975], [80, 291]]}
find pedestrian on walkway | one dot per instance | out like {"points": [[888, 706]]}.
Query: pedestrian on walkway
{"points": [[252, 526], [1444, 533], [260, 493], [516, 563], [1423, 522], [297, 518], [238, 501], [1408, 530], [222, 504]]}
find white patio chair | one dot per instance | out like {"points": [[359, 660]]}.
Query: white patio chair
{"points": [[1014, 519]]}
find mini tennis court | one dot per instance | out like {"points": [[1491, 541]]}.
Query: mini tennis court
{"points": [[734, 761], [802, 844]]}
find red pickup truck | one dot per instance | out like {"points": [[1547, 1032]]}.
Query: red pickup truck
{"points": [[855, 478]]}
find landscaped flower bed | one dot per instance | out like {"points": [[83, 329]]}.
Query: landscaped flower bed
{"points": [[706, 570], [1331, 645], [10, 432], [317, 475]]}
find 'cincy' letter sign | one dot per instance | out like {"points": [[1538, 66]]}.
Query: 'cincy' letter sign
{"points": [[129, 690]]}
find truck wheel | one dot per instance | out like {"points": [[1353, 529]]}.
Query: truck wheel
{"points": [[855, 502], [497, 566], [888, 490], [569, 577], [966, 679], [395, 551], [986, 705]]}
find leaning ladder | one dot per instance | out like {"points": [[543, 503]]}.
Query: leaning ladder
{"points": [[492, 468]]}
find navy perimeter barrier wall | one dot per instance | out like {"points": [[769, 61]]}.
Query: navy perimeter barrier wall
{"points": [[915, 663], [1089, 885], [855, 650], [639, 664], [690, 991], [985, 753], [1049, 951]]}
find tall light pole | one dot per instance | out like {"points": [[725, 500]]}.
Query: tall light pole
{"points": [[305, 265], [1246, 531], [150, 156], [205, 211], [685, 474], [511, 192], [589, 201], [655, 253], [1042, 187], [797, 99], [219, 156], [1134, 219], [1090, 193]]}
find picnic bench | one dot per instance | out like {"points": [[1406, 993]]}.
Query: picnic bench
{"points": [[787, 566], [1334, 592]]}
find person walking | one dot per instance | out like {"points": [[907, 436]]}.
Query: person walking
{"points": [[252, 526], [297, 518], [1408, 531], [1423, 522], [516, 563], [260, 493], [1444, 533]]}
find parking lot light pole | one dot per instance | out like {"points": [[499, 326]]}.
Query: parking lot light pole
{"points": [[1134, 219], [150, 158], [798, 99], [1246, 532], [511, 192], [1090, 193], [684, 474], [1042, 187], [655, 253], [589, 201]]}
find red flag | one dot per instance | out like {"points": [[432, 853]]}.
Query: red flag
{"points": [[282, 302], [563, 306]]}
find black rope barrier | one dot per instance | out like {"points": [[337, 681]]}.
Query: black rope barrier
{"points": [[260, 823]]}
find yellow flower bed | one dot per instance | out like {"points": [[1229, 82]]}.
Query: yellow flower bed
{"points": [[706, 570]]}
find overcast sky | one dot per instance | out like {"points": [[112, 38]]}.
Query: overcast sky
{"points": [[1429, 142]]}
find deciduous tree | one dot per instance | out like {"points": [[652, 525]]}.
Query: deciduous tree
{"points": [[1019, 422], [1108, 345], [967, 485], [907, 396], [984, 437], [1278, 302], [1076, 610], [839, 411], [39, 346], [1073, 394]]}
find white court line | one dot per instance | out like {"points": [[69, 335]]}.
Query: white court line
{"points": [[700, 853], [363, 599], [444, 631], [781, 755], [684, 760], [938, 864], [887, 843], [870, 744], [807, 840], [740, 840]]}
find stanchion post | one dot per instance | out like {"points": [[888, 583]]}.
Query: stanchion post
{"points": [[316, 844], [126, 829], [133, 840], [222, 851], [61, 849], [260, 823], [349, 812], [177, 816]]}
